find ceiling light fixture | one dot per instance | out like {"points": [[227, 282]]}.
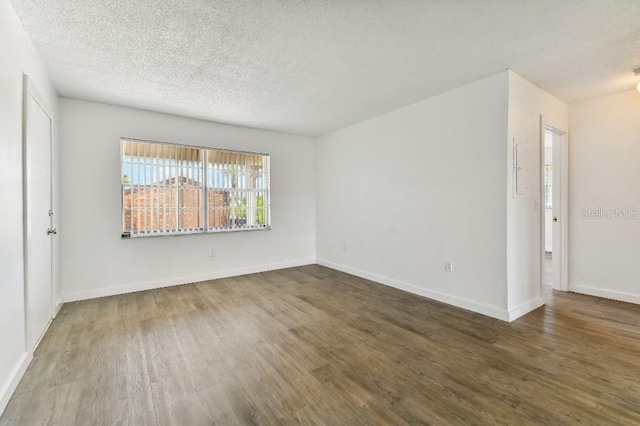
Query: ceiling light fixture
{"points": [[636, 72]]}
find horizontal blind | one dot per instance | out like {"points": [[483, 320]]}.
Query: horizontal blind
{"points": [[176, 189]]}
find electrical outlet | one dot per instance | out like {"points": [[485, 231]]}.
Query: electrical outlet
{"points": [[448, 266], [344, 246], [212, 252]]}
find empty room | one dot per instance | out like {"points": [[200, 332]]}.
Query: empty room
{"points": [[353, 212]]}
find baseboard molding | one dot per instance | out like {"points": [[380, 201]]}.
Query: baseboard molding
{"points": [[449, 299], [607, 294], [12, 382], [150, 285], [525, 308], [57, 308]]}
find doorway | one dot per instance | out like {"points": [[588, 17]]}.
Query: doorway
{"points": [[38, 214], [554, 196]]}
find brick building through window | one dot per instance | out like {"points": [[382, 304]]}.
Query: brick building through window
{"points": [[174, 203]]}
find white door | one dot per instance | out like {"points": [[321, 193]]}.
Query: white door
{"points": [[558, 197], [38, 232]]}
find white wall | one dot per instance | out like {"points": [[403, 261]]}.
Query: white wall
{"points": [[604, 173], [18, 57], [409, 189], [526, 104], [97, 261]]}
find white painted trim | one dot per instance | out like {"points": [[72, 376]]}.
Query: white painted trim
{"points": [[564, 279], [563, 250], [150, 285], [542, 207], [42, 336], [525, 308], [57, 308], [14, 378], [605, 293], [449, 299]]}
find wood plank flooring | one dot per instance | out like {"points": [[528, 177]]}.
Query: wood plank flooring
{"points": [[310, 345], [548, 279]]}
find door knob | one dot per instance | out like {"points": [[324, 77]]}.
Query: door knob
{"points": [[555, 219], [52, 231]]}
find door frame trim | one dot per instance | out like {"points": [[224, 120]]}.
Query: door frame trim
{"points": [[31, 92], [564, 201]]}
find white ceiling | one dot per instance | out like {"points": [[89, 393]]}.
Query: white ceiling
{"points": [[311, 67]]}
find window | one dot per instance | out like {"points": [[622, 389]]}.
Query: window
{"points": [[170, 189]]}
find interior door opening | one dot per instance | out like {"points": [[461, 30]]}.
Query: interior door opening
{"points": [[554, 194]]}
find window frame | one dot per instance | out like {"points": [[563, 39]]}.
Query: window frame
{"points": [[205, 150]]}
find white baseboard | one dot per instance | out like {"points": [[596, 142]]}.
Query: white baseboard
{"points": [[525, 308], [150, 285], [57, 308], [421, 291], [605, 293], [12, 382]]}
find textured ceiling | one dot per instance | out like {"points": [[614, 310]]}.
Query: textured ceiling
{"points": [[311, 67]]}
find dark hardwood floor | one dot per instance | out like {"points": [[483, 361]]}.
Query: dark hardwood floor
{"points": [[310, 345]]}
